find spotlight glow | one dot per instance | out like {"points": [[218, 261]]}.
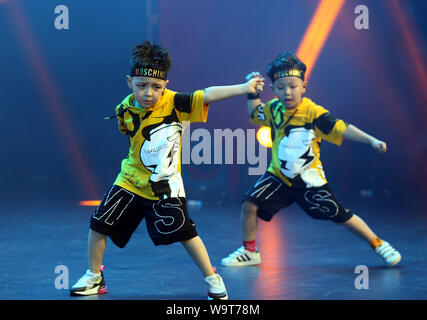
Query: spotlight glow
{"points": [[89, 203], [317, 32], [264, 137]]}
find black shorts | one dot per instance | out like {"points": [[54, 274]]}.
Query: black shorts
{"points": [[121, 211], [270, 195]]}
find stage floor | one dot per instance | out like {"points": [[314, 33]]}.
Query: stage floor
{"points": [[303, 259]]}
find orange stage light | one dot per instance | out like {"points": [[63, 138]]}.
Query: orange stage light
{"points": [[317, 32], [89, 203]]}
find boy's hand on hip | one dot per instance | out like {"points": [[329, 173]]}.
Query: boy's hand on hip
{"points": [[380, 146]]}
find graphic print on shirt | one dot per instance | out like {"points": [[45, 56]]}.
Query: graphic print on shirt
{"points": [[160, 154], [295, 150]]}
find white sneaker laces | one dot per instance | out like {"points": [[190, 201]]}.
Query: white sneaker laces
{"points": [[214, 281], [236, 253], [385, 250], [87, 279]]}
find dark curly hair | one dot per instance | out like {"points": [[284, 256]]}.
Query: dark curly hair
{"points": [[150, 55], [285, 61]]}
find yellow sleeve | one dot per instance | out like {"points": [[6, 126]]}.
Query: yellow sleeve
{"points": [[191, 106], [260, 115], [329, 128], [120, 112]]}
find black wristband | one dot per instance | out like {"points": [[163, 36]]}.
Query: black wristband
{"points": [[252, 96]]}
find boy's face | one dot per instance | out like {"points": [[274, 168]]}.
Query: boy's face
{"points": [[147, 90], [289, 91]]}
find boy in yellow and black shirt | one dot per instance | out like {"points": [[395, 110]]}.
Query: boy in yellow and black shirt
{"points": [[295, 174], [149, 184], [153, 166]]}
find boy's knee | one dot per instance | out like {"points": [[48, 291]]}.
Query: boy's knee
{"points": [[346, 220], [96, 235], [248, 208], [191, 240]]}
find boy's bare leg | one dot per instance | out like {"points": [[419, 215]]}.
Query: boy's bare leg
{"points": [[96, 249], [197, 251], [390, 255], [249, 221], [356, 225], [247, 254]]}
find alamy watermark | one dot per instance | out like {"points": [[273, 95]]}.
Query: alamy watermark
{"points": [[62, 21], [62, 280], [362, 280], [225, 146], [361, 22]]}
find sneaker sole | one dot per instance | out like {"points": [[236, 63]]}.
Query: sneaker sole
{"points": [[95, 290], [392, 264], [241, 264], [222, 298]]}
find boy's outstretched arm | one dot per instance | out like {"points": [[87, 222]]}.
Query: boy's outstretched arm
{"points": [[355, 134], [253, 86]]}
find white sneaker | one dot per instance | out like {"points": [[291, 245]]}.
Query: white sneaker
{"points": [[216, 288], [390, 255], [242, 257], [90, 283]]}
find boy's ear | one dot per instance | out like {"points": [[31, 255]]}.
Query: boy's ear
{"points": [[166, 82], [304, 85], [129, 81], [272, 88]]}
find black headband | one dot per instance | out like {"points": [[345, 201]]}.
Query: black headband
{"points": [[146, 71], [288, 73]]}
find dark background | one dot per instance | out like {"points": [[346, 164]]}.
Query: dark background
{"points": [[56, 86]]}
